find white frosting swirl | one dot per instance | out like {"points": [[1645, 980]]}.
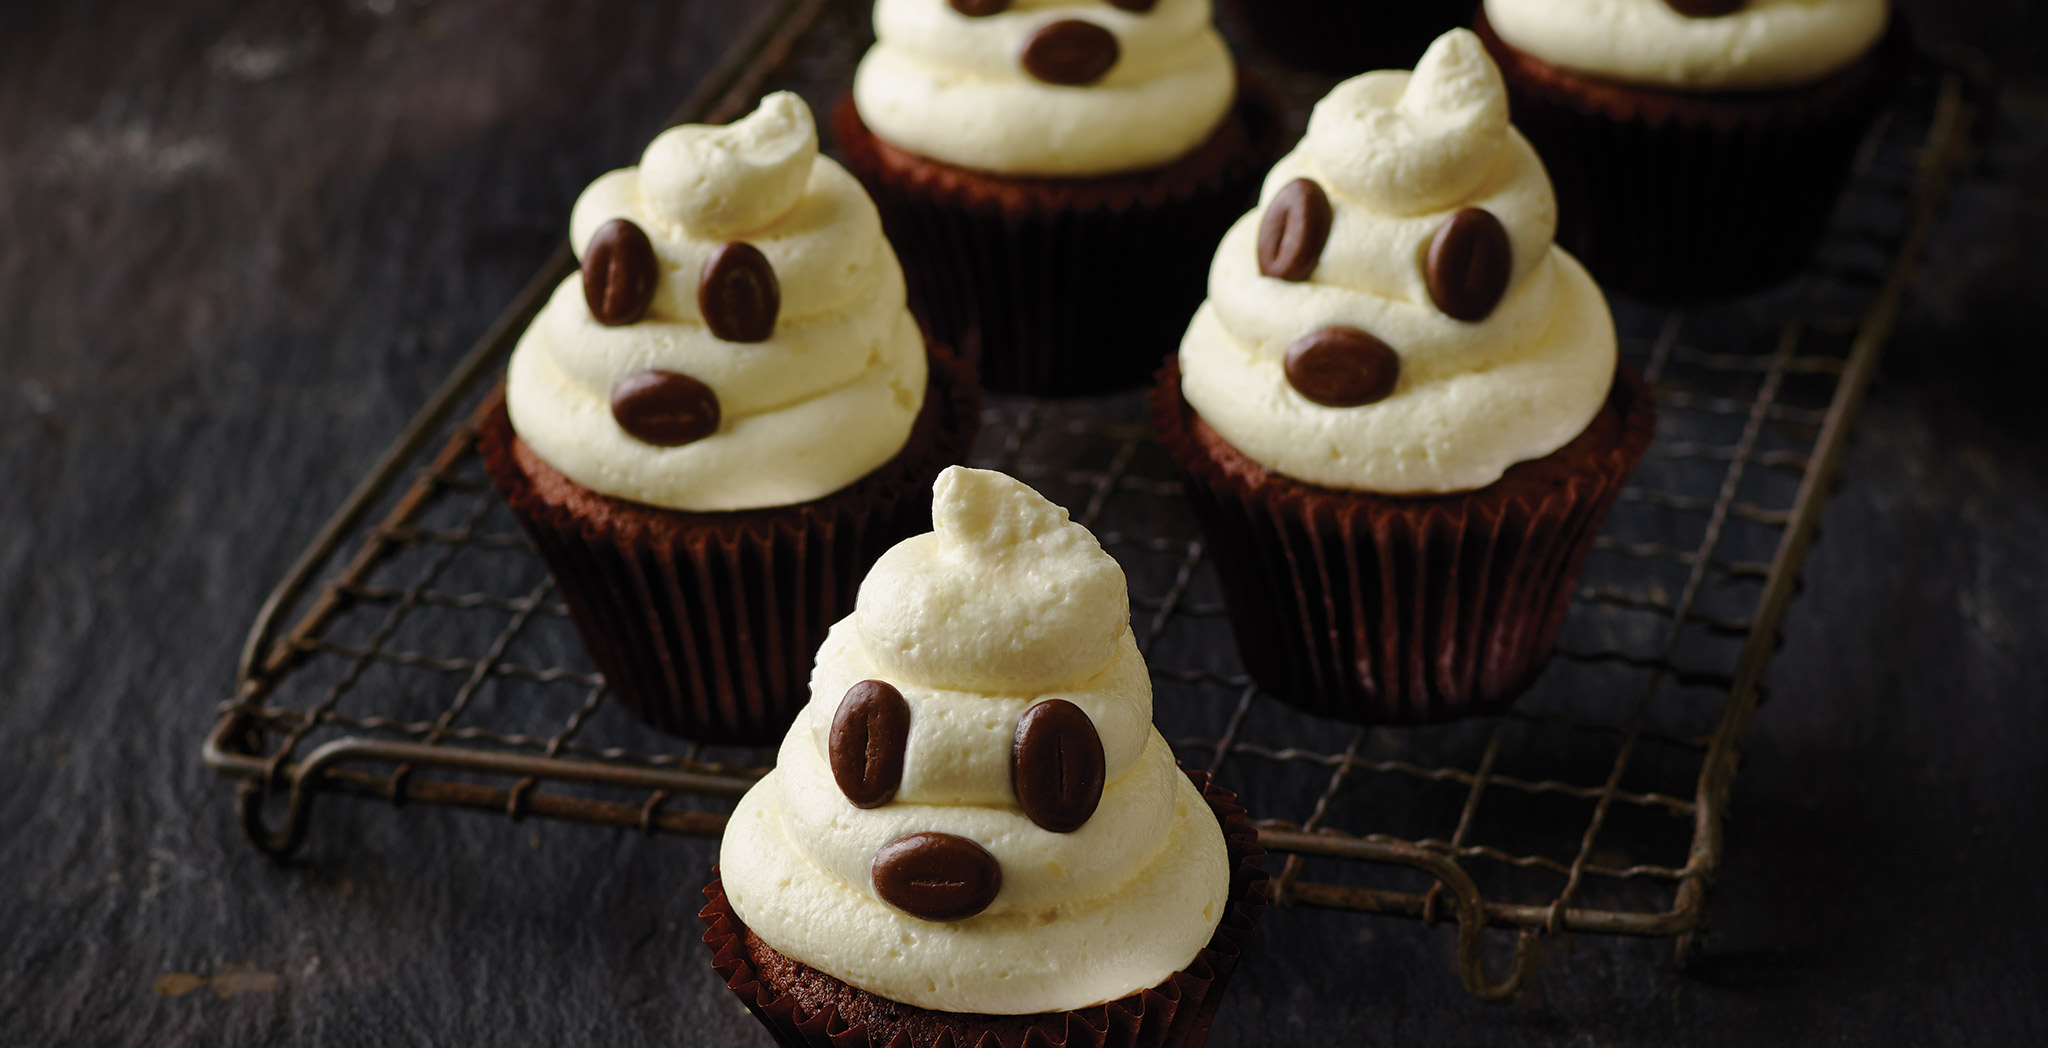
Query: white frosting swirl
{"points": [[1398, 154], [1767, 44], [1007, 583], [828, 398], [950, 87]]}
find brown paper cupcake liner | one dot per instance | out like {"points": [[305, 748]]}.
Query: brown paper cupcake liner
{"points": [[705, 624], [1683, 197], [1401, 610], [823, 1012], [1063, 286], [1346, 37]]}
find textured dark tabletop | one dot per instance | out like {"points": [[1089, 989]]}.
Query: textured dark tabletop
{"points": [[241, 241]]}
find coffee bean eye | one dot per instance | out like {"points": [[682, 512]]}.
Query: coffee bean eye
{"points": [[1294, 231], [1468, 265], [870, 735], [1140, 6], [981, 8], [1057, 765], [619, 273], [738, 294]]}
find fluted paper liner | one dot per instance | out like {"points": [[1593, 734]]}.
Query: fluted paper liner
{"points": [[705, 625], [1063, 286], [1401, 610], [1174, 1014], [1684, 197]]}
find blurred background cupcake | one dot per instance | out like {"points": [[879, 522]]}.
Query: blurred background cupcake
{"points": [[1399, 416], [1345, 37], [1697, 146], [714, 429], [1054, 173]]}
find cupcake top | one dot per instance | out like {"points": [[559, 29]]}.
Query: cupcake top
{"points": [[1066, 88], [1393, 317], [974, 813], [1694, 45], [739, 336]]}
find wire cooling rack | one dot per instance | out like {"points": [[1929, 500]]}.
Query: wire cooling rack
{"points": [[433, 663]]}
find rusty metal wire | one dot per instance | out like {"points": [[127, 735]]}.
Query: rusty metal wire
{"points": [[434, 665]]}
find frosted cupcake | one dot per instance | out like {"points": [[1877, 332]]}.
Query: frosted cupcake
{"points": [[713, 429], [974, 829], [1054, 172], [1697, 146], [1399, 415]]}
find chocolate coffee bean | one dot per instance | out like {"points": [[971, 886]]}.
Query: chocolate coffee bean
{"points": [[664, 408], [936, 876], [981, 8], [738, 294], [619, 273], [1292, 235], [1468, 264], [1140, 6], [870, 732], [1056, 765], [1705, 8], [1071, 53], [1343, 367]]}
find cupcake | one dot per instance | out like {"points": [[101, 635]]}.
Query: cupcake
{"points": [[973, 834], [1054, 172], [1697, 146], [713, 430], [1399, 416], [1342, 37]]}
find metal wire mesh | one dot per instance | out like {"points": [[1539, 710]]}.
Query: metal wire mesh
{"points": [[436, 665]]}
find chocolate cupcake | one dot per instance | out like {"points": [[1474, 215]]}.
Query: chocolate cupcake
{"points": [[714, 430], [973, 834], [1399, 416], [1054, 175], [1697, 147], [1345, 37]]}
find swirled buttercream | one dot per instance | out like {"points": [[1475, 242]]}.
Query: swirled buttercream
{"points": [[1766, 44], [1398, 155], [953, 88], [1007, 604], [828, 397]]}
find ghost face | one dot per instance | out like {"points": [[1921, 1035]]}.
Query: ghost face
{"points": [[1057, 769]]}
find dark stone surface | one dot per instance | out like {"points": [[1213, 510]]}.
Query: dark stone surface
{"points": [[239, 242]]}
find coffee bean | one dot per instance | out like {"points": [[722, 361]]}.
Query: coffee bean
{"points": [[1705, 8], [738, 293], [1468, 265], [1072, 53], [1343, 367], [869, 735], [619, 273], [1056, 765], [1140, 6], [936, 876], [664, 408], [1292, 235], [981, 8]]}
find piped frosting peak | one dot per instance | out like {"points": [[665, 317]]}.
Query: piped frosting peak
{"points": [[1411, 143], [1006, 594], [732, 180]]}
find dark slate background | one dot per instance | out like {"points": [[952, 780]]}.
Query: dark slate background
{"points": [[241, 241]]}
